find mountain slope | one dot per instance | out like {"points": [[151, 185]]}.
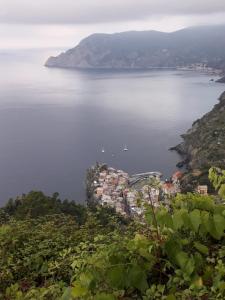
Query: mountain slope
{"points": [[204, 144], [147, 49]]}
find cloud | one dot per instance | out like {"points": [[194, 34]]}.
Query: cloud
{"points": [[100, 11], [63, 23]]}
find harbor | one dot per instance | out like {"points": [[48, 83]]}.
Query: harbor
{"points": [[129, 194]]}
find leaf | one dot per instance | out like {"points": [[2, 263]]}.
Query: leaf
{"points": [[185, 263], [144, 252], [205, 220], [78, 290], [185, 242], [186, 219], [219, 222], [204, 203], [141, 241], [164, 218], [221, 191], [172, 247], [137, 278], [86, 279], [199, 262], [66, 295], [178, 221], [168, 221], [212, 229], [201, 248], [195, 219], [116, 277], [189, 267], [198, 282]]}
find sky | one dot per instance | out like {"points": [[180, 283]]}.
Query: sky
{"points": [[63, 23]]}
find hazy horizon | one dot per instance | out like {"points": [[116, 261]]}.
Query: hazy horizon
{"points": [[62, 24]]}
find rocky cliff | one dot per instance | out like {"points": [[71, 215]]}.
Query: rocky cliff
{"points": [[147, 49], [221, 80], [203, 145]]}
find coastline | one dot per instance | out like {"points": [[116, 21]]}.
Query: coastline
{"points": [[203, 145]]}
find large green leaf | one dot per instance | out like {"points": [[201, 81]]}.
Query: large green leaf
{"points": [[172, 247], [78, 290], [222, 191], [117, 277], [186, 219], [219, 222], [190, 266], [185, 262], [178, 221], [137, 278], [66, 295], [195, 219], [205, 220], [201, 248], [164, 218], [86, 279], [212, 229]]}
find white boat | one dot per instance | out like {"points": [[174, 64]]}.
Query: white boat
{"points": [[125, 148], [103, 150]]}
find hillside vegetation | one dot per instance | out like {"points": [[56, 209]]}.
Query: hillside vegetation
{"points": [[60, 250], [204, 146]]}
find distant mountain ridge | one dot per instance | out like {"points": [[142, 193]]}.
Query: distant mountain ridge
{"points": [[147, 49]]}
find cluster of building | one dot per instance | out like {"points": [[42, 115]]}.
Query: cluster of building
{"points": [[201, 67], [110, 189], [172, 187], [115, 188]]}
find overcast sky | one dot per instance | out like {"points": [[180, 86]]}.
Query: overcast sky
{"points": [[63, 23]]}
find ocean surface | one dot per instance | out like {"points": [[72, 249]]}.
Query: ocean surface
{"points": [[54, 122]]}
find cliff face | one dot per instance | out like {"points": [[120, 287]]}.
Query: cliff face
{"points": [[221, 80], [146, 49], [204, 143]]}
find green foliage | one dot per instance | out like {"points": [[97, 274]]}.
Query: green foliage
{"points": [[217, 177], [37, 204], [178, 252], [181, 256], [38, 255]]}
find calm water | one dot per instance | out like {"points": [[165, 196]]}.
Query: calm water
{"points": [[54, 122]]}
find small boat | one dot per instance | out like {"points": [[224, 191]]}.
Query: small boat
{"points": [[103, 150], [125, 148]]}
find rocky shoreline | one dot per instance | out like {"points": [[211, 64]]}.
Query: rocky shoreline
{"points": [[221, 80], [203, 146]]}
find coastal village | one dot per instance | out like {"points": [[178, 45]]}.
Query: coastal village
{"points": [[129, 194], [201, 67]]}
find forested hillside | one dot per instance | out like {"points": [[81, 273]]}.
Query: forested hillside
{"points": [[204, 146]]}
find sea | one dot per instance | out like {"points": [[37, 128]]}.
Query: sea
{"points": [[54, 123]]}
